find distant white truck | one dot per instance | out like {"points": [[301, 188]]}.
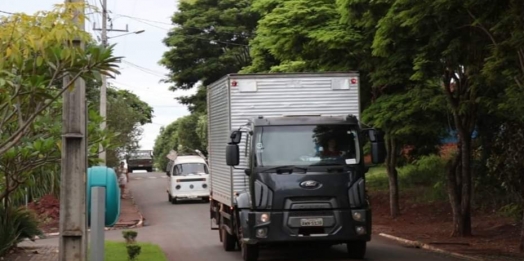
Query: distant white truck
{"points": [[286, 161], [188, 178]]}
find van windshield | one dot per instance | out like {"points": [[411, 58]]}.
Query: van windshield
{"points": [[307, 145], [185, 169]]}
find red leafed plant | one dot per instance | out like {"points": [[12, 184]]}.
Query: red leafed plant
{"points": [[46, 207]]}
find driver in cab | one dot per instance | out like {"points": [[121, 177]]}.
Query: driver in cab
{"points": [[331, 150]]}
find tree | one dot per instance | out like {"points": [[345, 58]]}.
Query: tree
{"points": [[301, 35], [188, 136], [201, 131], [41, 148], [37, 55], [400, 115], [166, 141], [126, 112], [506, 162], [446, 47], [210, 40]]}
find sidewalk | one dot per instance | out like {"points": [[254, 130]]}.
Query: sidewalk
{"points": [[130, 217]]}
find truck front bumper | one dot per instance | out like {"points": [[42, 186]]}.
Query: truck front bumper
{"points": [[333, 226]]}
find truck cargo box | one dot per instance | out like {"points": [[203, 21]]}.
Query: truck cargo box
{"points": [[236, 98]]}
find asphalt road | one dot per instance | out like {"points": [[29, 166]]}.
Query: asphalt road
{"points": [[183, 232]]}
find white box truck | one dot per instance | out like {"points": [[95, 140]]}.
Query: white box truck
{"points": [[286, 161]]}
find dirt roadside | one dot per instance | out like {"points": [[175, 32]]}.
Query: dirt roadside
{"points": [[494, 237]]}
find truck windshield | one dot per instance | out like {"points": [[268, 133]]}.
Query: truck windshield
{"points": [[307, 145], [185, 169]]}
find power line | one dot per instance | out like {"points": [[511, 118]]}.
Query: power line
{"points": [[5, 12], [141, 20], [152, 72]]}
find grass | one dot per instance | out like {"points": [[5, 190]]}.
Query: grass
{"points": [[426, 173], [117, 251]]}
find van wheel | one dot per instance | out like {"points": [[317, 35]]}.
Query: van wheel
{"points": [[174, 200], [169, 198], [228, 240], [205, 199], [356, 249]]}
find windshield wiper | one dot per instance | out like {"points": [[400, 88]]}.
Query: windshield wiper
{"points": [[330, 166], [280, 168]]}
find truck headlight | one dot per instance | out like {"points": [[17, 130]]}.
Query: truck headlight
{"points": [[264, 217], [359, 216]]}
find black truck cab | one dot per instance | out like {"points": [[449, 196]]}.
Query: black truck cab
{"points": [[306, 184]]}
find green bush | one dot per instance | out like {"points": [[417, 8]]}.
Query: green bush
{"points": [[130, 236], [513, 211], [16, 224], [427, 172], [133, 251]]}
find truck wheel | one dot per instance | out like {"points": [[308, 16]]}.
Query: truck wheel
{"points": [[249, 252], [356, 249], [169, 198], [228, 240], [174, 200]]}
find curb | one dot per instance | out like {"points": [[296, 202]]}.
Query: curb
{"points": [[429, 248], [140, 223]]}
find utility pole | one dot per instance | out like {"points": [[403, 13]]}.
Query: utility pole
{"points": [[73, 225], [103, 88]]}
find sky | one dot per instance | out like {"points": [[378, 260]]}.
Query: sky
{"points": [[140, 71]]}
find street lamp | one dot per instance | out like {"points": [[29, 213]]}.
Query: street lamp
{"points": [[136, 32]]}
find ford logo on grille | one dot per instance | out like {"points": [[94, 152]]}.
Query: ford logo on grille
{"points": [[310, 184]]}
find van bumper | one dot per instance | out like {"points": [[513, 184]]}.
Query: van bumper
{"points": [[191, 195]]}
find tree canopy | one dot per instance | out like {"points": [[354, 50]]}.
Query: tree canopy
{"points": [[210, 39]]}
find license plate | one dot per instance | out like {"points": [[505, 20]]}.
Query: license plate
{"points": [[140, 165], [191, 197], [311, 222]]}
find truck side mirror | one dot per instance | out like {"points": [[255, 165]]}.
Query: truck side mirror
{"points": [[232, 155], [378, 147], [235, 136]]}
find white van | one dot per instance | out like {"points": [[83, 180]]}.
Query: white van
{"points": [[188, 178]]}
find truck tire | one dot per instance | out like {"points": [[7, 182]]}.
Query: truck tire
{"points": [[356, 249], [174, 200], [249, 252], [228, 240]]}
